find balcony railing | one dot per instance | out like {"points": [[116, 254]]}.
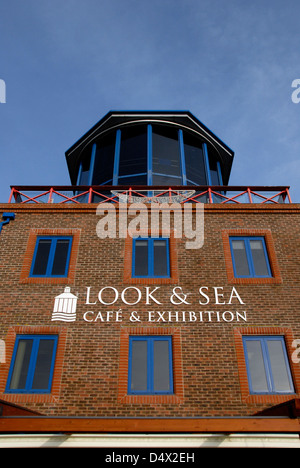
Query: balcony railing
{"points": [[126, 194]]}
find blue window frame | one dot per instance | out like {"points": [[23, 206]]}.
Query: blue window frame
{"points": [[267, 365], [150, 369], [250, 257], [51, 256], [150, 258], [32, 365]]}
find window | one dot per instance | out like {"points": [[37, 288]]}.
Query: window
{"points": [[52, 261], [249, 257], [102, 170], [250, 262], [150, 154], [166, 157], [267, 365], [150, 258], [194, 160], [150, 365], [51, 256], [32, 364], [133, 155]]}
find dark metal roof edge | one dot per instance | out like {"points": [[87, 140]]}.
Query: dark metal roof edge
{"points": [[148, 113]]}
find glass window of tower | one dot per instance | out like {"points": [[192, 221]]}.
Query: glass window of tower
{"points": [[133, 154], [166, 164], [104, 161], [194, 160], [150, 154]]}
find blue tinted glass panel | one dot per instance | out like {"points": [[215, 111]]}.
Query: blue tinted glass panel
{"points": [[51, 257], [151, 258], [21, 365], [166, 151], [85, 167], [267, 365], [279, 366], [133, 151], [160, 257], [166, 180], [139, 358], [42, 257], [104, 161], [250, 257], [240, 258], [161, 366], [256, 366], [133, 180], [60, 260], [32, 364], [150, 365], [141, 258], [43, 364], [214, 175], [260, 263], [194, 160]]}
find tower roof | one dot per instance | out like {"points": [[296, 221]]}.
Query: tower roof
{"points": [[118, 119]]}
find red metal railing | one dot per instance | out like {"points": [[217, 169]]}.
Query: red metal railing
{"points": [[115, 194]]}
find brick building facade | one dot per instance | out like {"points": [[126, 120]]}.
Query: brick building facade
{"points": [[201, 321]]}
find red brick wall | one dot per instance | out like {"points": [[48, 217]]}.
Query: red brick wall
{"points": [[90, 374]]}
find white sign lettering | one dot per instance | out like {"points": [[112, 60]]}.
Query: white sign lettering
{"points": [[65, 305]]}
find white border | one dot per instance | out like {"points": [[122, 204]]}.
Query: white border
{"points": [[192, 441]]}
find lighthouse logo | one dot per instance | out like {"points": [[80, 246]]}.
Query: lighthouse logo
{"points": [[65, 307]]}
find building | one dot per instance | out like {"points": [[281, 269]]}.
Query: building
{"points": [[149, 303]]}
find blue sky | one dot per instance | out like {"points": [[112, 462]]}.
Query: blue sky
{"points": [[231, 63]]}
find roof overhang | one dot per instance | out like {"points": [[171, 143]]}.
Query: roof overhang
{"points": [[117, 119], [251, 424], [278, 426]]}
